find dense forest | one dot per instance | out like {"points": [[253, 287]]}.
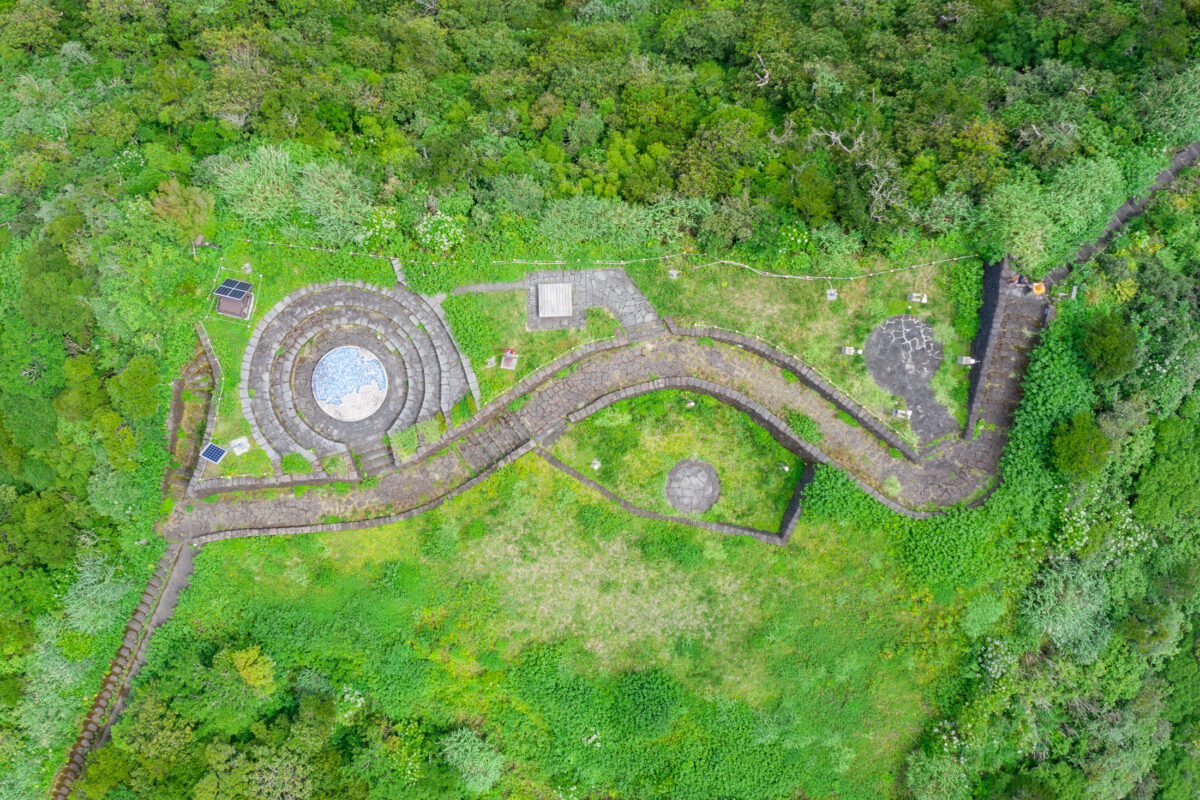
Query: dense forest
{"points": [[790, 134]]}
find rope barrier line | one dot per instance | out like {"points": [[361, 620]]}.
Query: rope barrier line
{"points": [[766, 274], [616, 263]]}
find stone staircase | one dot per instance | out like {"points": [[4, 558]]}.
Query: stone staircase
{"points": [[1009, 329], [121, 671], [491, 442], [196, 384], [375, 458]]}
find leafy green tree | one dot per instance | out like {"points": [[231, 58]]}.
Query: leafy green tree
{"points": [[186, 206], [134, 390], [41, 530], [154, 737], [1167, 488], [1079, 448], [30, 25], [84, 392], [391, 760], [1110, 344]]}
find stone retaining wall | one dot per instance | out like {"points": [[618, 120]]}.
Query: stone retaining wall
{"points": [[213, 403], [766, 537], [986, 339]]}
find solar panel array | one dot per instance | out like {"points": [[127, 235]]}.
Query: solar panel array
{"points": [[232, 288], [213, 453]]}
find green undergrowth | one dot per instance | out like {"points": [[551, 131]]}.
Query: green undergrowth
{"points": [[590, 649], [638, 441]]}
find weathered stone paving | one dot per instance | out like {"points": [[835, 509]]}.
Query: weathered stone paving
{"points": [[902, 356], [692, 486], [957, 472], [426, 374], [592, 288]]}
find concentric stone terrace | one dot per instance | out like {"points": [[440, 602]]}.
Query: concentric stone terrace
{"points": [[425, 370]]}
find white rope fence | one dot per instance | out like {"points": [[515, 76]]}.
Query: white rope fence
{"points": [[765, 274], [562, 262]]}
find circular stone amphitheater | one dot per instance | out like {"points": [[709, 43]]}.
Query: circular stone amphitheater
{"points": [[339, 366], [693, 486]]}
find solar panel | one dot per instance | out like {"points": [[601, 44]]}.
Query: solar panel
{"points": [[213, 453], [232, 288]]}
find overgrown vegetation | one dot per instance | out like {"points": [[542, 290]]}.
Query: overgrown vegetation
{"points": [[810, 138], [630, 447]]}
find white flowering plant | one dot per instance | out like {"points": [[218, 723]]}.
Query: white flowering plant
{"points": [[440, 232]]}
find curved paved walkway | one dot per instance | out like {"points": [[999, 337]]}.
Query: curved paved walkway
{"points": [[958, 472]]}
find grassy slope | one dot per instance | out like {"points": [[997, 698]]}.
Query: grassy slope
{"points": [[816, 647]]}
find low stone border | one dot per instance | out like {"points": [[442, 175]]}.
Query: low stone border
{"points": [[246, 483], [767, 537], [806, 374], [766, 418], [374, 522]]}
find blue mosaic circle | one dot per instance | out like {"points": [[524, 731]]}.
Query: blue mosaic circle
{"points": [[349, 383]]}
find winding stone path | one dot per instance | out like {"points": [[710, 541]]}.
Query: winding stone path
{"points": [[957, 472]]}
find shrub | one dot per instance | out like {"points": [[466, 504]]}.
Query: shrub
{"points": [[1069, 605], [1110, 344], [1079, 447], [259, 189], [980, 613], [295, 464], [92, 602], [804, 426], [936, 777], [477, 762], [440, 232], [336, 199], [644, 702]]}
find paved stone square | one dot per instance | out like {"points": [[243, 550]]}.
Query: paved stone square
{"points": [[902, 357], [693, 486]]}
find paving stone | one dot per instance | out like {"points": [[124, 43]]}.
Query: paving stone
{"points": [[692, 486]]}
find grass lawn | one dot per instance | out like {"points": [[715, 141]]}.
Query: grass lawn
{"points": [[637, 441], [795, 316], [529, 608], [484, 325]]}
